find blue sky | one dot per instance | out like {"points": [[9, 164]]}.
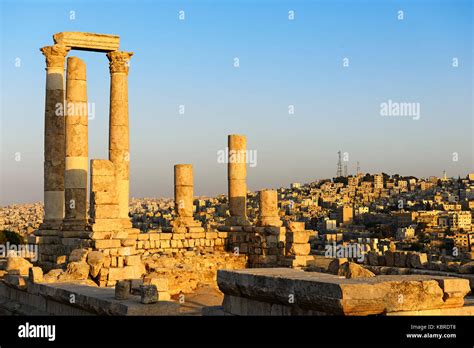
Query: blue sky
{"points": [[282, 63]]}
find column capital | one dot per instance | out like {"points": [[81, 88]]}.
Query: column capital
{"points": [[55, 55], [119, 61]]}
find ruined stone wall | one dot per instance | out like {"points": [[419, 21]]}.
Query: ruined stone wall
{"points": [[169, 243], [271, 246]]}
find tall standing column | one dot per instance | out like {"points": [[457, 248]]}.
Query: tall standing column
{"points": [[119, 128], [75, 178], [54, 138], [237, 174]]}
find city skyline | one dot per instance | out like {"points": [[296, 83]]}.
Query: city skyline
{"points": [[186, 63]]}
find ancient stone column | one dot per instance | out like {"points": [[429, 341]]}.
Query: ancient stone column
{"points": [[119, 128], [54, 147], [268, 214], [183, 190], [237, 174], [75, 178], [184, 196]]}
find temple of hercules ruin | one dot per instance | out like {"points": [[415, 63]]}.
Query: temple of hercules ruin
{"points": [[256, 257], [96, 234], [70, 221]]}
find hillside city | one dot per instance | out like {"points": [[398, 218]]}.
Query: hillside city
{"points": [[432, 215]]}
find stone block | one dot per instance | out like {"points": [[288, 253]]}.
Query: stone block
{"points": [[148, 294], [90, 42], [294, 226], [164, 296], [107, 243], [35, 274], [352, 270], [335, 264], [101, 197], [467, 268], [133, 260], [109, 211], [297, 237], [222, 234], [102, 168], [128, 242], [417, 260], [122, 289], [298, 249], [103, 184], [389, 258], [78, 255], [161, 283], [106, 225], [76, 271], [127, 272], [15, 280], [154, 236], [198, 235], [95, 259], [101, 235], [16, 263], [330, 294]]}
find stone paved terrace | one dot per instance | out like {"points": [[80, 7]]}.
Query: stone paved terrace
{"points": [[55, 299]]}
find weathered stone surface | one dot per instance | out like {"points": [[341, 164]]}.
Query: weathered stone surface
{"points": [[133, 260], [352, 270], [87, 41], [95, 260], [102, 168], [16, 263], [99, 301], [335, 264], [467, 268], [372, 258], [122, 289], [35, 274], [300, 237], [15, 280], [336, 295], [295, 226], [161, 283], [298, 249], [389, 258], [107, 243], [319, 264], [417, 260], [53, 276], [78, 255], [127, 272], [454, 289], [148, 294], [400, 259], [76, 271]]}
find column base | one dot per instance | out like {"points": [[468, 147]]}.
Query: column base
{"points": [[185, 221], [75, 225], [269, 221], [51, 224], [237, 221]]}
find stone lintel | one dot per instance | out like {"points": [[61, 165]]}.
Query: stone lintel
{"points": [[87, 41]]}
